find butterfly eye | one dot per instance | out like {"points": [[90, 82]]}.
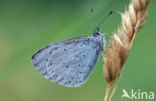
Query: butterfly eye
{"points": [[96, 33]]}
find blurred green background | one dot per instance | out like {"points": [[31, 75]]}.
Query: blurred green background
{"points": [[28, 25]]}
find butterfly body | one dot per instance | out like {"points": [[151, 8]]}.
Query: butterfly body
{"points": [[70, 62]]}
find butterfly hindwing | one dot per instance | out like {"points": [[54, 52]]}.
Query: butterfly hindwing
{"points": [[68, 63]]}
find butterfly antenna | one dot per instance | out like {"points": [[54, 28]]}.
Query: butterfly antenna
{"points": [[92, 24], [111, 12]]}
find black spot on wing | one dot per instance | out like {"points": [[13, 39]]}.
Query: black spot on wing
{"points": [[66, 66], [56, 48]]}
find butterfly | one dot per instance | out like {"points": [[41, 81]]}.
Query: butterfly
{"points": [[70, 62]]}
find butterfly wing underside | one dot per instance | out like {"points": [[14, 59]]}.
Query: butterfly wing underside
{"points": [[68, 63]]}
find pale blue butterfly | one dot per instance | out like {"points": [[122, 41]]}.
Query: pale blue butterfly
{"points": [[70, 62]]}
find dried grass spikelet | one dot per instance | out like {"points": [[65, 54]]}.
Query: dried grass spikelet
{"points": [[120, 44]]}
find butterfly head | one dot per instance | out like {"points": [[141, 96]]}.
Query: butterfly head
{"points": [[98, 32], [99, 37]]}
